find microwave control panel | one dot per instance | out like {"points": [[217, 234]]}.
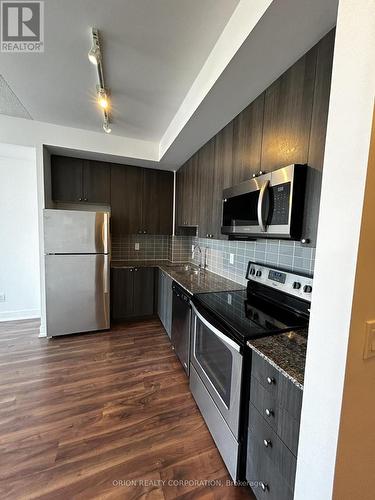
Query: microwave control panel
{"points": [[280, 201]]}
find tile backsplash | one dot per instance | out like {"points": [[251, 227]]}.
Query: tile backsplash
{"points": [[151, 247], [287, 254]]}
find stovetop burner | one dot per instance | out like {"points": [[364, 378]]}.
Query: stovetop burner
{"points": [[275, 301]]}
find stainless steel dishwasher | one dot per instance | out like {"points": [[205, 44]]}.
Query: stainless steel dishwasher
{"points": [[181, 320]]}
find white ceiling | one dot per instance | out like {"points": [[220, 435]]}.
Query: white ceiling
{"points": [[153, 51]]}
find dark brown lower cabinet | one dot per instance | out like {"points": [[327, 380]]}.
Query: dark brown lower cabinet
{"points": [[132, 293], [143, 291], [273, 432]]}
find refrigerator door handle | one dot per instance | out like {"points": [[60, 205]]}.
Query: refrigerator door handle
{"points": [[106, 235], [106, 274]]}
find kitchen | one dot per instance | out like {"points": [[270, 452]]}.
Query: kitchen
{"points": [[186, 296]]}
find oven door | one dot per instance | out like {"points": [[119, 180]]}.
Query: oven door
{"points": [[218, 362]]}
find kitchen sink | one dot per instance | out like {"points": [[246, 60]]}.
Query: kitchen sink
{"points": [[188, 268]]}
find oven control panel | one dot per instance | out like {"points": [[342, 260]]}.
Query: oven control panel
{"points": [[298, 285]]}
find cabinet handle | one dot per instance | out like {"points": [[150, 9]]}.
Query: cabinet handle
{"points": [[144, 232], [79, 199], [269, 412], [271, 380], [131, 270], [85, 199], [267, 443], [264, 486]]}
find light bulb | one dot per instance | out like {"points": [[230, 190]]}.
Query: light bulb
{"points": [[103, 99]]}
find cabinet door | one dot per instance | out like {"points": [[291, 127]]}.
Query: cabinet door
{"points": [[96, 182], [206, 158], [157, 201], [247, 141], [165, 301], [180, 197], [144, 282], [287, 115], [126, 199], [318, 136], [122, 299], [161, 297], [222, 175], [66, 177]]}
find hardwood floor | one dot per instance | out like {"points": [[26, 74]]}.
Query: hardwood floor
{"points": [[104, 415]]}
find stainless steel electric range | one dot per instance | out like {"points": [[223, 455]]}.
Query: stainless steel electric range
{"points": [[275, 301]]}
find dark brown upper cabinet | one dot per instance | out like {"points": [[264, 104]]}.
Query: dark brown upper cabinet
{"points": [[206, 168], [141, 200], [75, 180], [223, 175], [96, 182], [247, 141], [126, 199], [157, 201], [318, 136], [287, 115], [66, 179]]}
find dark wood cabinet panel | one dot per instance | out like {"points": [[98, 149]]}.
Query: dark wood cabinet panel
{"points": [[96, 182], [66, 178], [164, 304], [132, 292], [126, 199], [318, 136], [223, 175], [206, 167], [144, 284], [122, 301], [287, 115], [247, 141], [157, 202]]}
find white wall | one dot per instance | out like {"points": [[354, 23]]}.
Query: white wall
{"points": [[19, 241], [331, 349]]}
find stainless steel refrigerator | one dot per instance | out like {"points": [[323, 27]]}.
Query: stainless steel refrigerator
{"points": [[77, 271]]}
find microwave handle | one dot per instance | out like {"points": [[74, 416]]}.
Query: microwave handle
{"points": [[261, 199]]}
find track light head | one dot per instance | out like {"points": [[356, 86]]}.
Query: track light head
{"points": [[94, 54], [106, 127]]}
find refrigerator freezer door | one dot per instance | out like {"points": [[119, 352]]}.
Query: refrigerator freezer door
{"points": [[73, 231], [77, 293]]}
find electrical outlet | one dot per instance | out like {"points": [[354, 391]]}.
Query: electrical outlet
{"points": [[136, 246], [231, 258], [369, 350], [2, 297]]}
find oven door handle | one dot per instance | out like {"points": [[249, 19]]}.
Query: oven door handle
{"points": [[229, 342], [261, 199]]}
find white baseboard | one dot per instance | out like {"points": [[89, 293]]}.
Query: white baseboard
{"points": [[24, 314]]}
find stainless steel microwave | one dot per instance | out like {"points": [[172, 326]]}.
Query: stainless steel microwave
{"points": [[268, 206]]}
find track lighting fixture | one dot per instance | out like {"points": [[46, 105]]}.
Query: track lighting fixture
{"points": [[95, 57]]}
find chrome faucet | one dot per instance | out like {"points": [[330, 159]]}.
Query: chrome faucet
{"points": [[197, 247]]}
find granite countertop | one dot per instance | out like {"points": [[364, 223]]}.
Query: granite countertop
{"points": [[190, 280], [286, 352]]}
